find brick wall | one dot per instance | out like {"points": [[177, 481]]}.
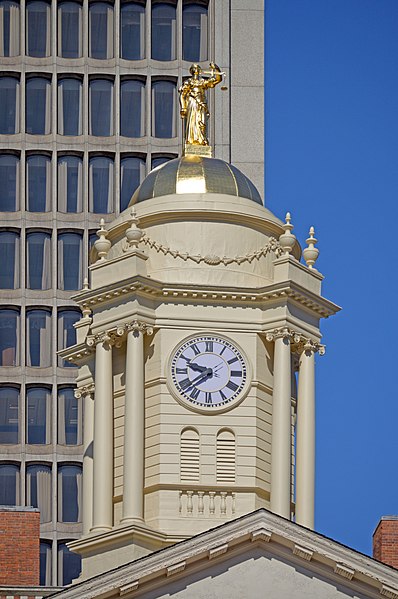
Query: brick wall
{"points": [[385, 541], [19, 546]]}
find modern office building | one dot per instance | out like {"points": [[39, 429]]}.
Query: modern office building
{"points": [[88, 106]]}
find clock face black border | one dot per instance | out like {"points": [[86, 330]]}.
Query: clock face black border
{"points": [[208, 373]]}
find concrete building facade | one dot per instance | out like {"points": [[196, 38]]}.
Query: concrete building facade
{"points": [[87, 108]]}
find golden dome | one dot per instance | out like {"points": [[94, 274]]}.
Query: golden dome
{"points": [[196, 174]]}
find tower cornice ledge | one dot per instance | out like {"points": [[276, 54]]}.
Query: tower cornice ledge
{"points": [[275, 293]]}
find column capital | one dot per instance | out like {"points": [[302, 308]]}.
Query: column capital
{"points": [[84, 391], [281, 332], [110, 337], [305, 344], [140, 326]]}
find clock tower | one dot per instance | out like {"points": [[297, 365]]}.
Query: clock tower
{"points": [[196, 355]]}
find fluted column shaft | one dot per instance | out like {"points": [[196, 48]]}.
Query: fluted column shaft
{"points": [[281, 428], [305, 440], [134, 429], [103, 439], [88, 437]]}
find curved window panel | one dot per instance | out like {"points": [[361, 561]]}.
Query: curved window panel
{"points": [[38, 415], [9, 28], [70, 32], [38, 29], [194, 32], [132, 31], [38, 106], [9, 415], [38, 260], [69, 493], [45, 563], [69, 565], [38, 338], [101, 107], [38, 175], [9, 263], [9, 484], [66, 332], [70, 190], [9, 188], [225, 457], [9, 105], [69, 261], [101, 185], [38, 490], [101, 30], [164, 109], [69, 417], [9, 338], [164, 41], [132, 173], [132, 108], [70, 107]]}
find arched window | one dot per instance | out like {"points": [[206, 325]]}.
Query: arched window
{"points": [[9, 28], [9, 188], [38, 341], [69, 565], [38, 106], [38, 415], [69, 493], [9, 415], [132, 173], [9, 338], [101, 107], [45, 563], [164, 41], [132, 30], [225, 457], [132, 108], [70, 30], [9, 105], [101, 185], [189, 456], [70, 184], [66, 332], [70, 262], [38, 28], [38, 489], [194, 31], [38, 175], [9, 484], [70, 106], [101, 30], [69, 417], [164, 113], [9, 264], [38, 260]]}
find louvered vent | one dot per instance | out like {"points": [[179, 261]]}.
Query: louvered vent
{"points": [[226, 451], [189, 458]]}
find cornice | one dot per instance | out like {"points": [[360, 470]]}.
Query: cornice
{"points": [[146, 287], [288, 540]]}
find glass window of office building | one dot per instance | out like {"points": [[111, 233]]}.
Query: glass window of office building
{"points": [[9, 337], [38, 106], [101, 185], [69, 565], [38, 28], [66, 333], [70, 184], [194, 31], [9, 105], [70, 30], [70, 263], [9, 264], [69, 417], [132, 108], [101, 107], [101, 30], [69, 493], [38, 260], [164, 30], [38, 415], [9, 28], [9, 189], [70, 92], [45, 563], [9, 415], [132, 30], [9, 484], [132, 171], [164, 109], [38, 338], [38, 489]]}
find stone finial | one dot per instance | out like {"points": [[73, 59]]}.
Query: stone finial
{"points": [[134, 233], [86, 286], [102, 245], [287, 239], [311, 253]]}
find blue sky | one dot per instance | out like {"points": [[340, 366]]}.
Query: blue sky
{"points": [[332, 160]]}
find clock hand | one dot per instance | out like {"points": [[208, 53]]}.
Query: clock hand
{"points": [[203, 375], [197, 367]]}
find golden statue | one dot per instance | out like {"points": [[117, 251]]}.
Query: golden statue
{"points": [[194, 110]]}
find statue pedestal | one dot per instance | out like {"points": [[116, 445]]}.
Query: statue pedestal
{"points": [[198, 150]]}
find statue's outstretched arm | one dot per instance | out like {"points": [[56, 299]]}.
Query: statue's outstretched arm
{"points": [[216, 76]]}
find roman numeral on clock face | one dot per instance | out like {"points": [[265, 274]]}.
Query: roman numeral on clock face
{"points": [[185, 383], [232, 360], [194, 393], [232, 386], [195, 348], [236, 373], [208, 398], [181, 370], [209, 346]]}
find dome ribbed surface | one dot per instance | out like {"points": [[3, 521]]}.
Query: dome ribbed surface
{"points": [[196, 174]]}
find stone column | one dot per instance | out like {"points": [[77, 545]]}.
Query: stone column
{"points": [[281, 445], [305, 436], [134, 425], [103, 437], [87, 393]]}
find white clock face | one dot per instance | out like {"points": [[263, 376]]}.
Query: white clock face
{"points": [[208, 371]]}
